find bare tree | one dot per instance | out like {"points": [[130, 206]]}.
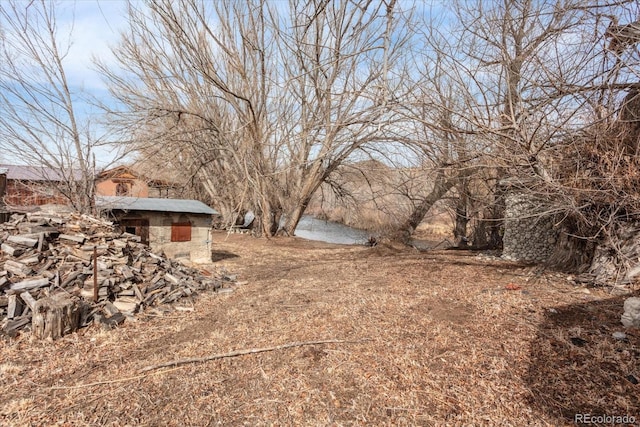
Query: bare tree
{"points": [[39, 124], [508, 82], [260, 102]]}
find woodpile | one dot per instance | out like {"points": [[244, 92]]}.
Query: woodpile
{"points": [[59, 272]]}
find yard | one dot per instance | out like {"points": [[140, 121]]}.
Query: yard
{"points": [[420, 338]]}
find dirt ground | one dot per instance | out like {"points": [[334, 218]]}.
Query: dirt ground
{"points": [[425, 338]]}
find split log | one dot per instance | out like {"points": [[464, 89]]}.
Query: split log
{"points": [[13, 308], [55, 316], [13, 326], [126, 305], [29, 284], [17, 268], [40, 242], [72, 238], [28, 299], [30, 260], [11, 250], [23, 240]]}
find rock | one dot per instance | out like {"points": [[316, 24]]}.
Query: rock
{"points": [[620, 336], [631, 316]]}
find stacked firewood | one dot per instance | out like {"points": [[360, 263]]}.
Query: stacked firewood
{"points": [[86, 266]]}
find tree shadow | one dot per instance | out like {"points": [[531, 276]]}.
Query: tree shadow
{"points": [[578, 367], [222, 255]]}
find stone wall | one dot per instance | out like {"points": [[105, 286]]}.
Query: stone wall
{"points": [[529, 234], [197, 250], [157, 228]]}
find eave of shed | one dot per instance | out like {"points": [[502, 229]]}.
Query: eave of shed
{"points": [[151, 204]]}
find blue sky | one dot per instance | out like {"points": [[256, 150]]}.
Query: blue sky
{"points": [[96, 27], [92, 27]]}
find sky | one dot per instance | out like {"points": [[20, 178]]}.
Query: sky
{"points": [[92, 27], [96, 25], [89, 28]]}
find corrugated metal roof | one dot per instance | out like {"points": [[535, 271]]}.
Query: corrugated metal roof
{"points": [[153, 204], [36, 173]]}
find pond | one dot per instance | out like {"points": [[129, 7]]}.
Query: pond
{"points": [[312, 228]]}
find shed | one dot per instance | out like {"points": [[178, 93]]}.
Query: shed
{"points": [[178, 227]]}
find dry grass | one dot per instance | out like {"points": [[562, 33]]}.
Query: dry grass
{"points": [[437, 340]]}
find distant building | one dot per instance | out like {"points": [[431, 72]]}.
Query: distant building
{"points": [[124, 181], [33, 185], [180, 228], [4, 214], [121, 181]]}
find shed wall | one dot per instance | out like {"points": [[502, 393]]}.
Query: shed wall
{"points": [[197, 250]]}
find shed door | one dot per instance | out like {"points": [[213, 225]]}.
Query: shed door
{"points": [[139, 227]]}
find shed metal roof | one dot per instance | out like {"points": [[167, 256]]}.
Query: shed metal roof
{"points": [[153, 204]]}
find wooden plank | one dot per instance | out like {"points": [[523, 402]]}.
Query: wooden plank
{"points": [[23, 240], [29, 284]]}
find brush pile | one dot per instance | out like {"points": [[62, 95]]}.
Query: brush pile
{"points": [[89, 269], [616, 259]]}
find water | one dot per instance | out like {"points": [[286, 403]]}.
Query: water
{"points": [[311, 228]]}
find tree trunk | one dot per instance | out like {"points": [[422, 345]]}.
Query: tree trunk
{"points": [[54, 317], [460, 230], [293, 217], [441, 186], [496, 220]]}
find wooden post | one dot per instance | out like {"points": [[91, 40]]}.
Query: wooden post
{"points": [[95, 274], [55, 316]]}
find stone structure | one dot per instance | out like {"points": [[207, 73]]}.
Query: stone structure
{"points": [[529, 233], [631, 316], [179, 228]]}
